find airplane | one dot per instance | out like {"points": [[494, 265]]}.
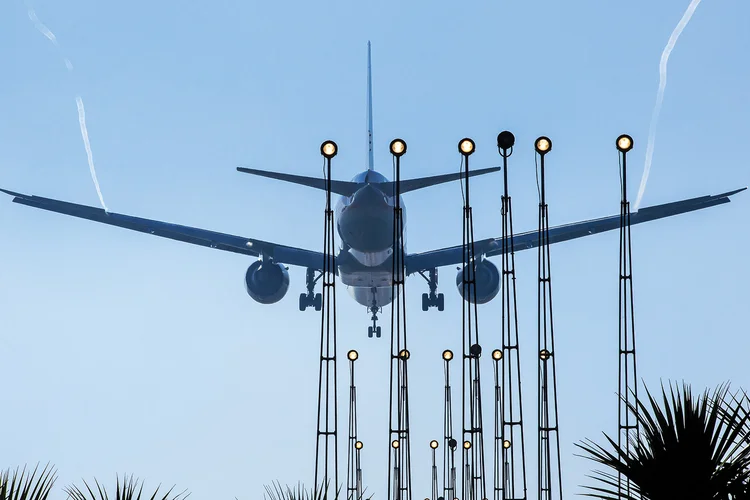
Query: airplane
{"points": [[364, 219]]}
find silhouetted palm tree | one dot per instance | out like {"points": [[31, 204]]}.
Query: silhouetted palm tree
{"points": [[22, 485], [692, 448], [127, 490], [277, 492]]}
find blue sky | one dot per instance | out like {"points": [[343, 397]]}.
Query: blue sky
{"points": [[125, 353]]}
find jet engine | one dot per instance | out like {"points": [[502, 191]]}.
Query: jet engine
{"points": [[487, 282], [266, 282]]}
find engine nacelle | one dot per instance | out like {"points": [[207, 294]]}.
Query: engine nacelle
{"points": [[267, 282], [487, 282]]}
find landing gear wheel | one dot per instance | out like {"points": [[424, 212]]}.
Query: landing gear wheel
{"points": [[377, 332], [432, 299], [369, 332], [311, 299]]}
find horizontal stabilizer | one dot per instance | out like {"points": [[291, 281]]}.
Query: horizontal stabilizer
{"points": [[343, 188], [423, 182]]}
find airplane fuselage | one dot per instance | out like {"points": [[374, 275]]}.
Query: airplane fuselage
{"points": [[365, 225]]}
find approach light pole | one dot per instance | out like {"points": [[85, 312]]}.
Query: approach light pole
{"points": [[627, 385], [399, 457], [327, 424]]}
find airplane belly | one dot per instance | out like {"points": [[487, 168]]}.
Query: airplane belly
{"points": [[367, 279], [364, 296], [371, 259]]}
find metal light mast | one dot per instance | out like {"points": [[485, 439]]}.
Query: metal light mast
{"points": [[326, 448]]}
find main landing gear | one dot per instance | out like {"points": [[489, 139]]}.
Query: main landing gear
{"points": [[374, 309], [311, 299], [432, 299]]}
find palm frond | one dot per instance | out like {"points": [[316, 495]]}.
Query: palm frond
{"points": [[128, 489], [22, 485], [689, 447], [278, 492]]}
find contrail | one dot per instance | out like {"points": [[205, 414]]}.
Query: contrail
{"points": [[87, 145], [44, 30], [660, 95]]}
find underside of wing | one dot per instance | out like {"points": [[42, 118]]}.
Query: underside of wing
{"points": [[203, 237], [523, 241]]}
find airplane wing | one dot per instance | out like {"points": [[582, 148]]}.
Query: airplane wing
{"points": [[523, 241], [238, 244]]}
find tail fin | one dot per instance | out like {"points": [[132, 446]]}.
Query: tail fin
{"points": [[370, 159]]}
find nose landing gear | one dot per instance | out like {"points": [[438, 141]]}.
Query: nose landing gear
{"points": [[374, 309], [311, 299], [432, 299]]}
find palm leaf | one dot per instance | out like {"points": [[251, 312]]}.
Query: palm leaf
{"points": [[277, 492], [128, 489], [27, 486], [689, 448]]}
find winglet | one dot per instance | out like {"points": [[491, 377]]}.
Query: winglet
{"points": [[370, 158], [12, 193]]}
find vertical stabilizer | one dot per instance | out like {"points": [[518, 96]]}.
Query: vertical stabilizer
{"points": [[370, 159]]}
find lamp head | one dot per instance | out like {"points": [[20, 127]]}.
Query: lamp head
{"points": [[398, 147], [624, 143], [329, 149], [543, 145], [505, 140], [475, 350], [466, 146]]}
